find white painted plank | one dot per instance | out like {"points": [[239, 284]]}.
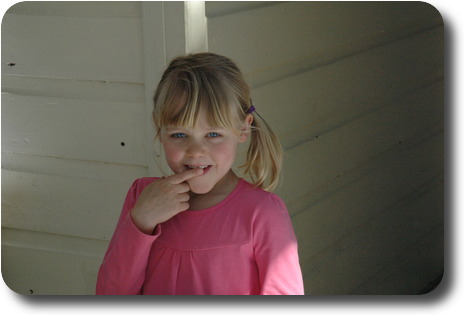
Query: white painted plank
{"points": [[378, 243], [54, 243], [76, 129], [87, 48], [62, 205], [314, 196], [315, 162], [36, 272], [215, 9], [324, 273], [195, 27], [96, 171], [307, 63], [76, 89], [50, 263], [420, 264], [378, 260], [271, 36], [78, 8], [175, 41], [315, 101], [394, 178], [155, 63]]}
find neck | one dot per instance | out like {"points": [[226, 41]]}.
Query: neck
{"points": [[223, 188]]}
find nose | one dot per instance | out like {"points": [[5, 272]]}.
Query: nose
{"points": [[196, 149]]}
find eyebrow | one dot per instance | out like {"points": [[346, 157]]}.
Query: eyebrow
{"points": [[182, 128]]}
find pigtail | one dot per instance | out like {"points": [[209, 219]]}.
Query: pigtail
{"points": [[264, 155]]}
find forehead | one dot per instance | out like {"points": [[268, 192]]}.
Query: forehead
{"points": [[202, 123], [204, 120]]}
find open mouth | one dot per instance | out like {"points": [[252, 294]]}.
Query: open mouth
{"points": [[205, 168]]}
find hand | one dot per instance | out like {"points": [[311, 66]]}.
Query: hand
{"points": [[162, 199]]}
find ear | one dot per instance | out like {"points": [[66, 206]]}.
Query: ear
{"points": [[246, 128]]}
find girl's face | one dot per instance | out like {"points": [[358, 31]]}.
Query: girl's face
{"points": [[213, 149]]}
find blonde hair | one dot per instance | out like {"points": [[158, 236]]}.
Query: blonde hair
{"points": [[214, 83]]}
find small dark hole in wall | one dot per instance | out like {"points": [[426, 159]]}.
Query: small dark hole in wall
{"points": [[32, 292], [11, 64], [123, 144]]}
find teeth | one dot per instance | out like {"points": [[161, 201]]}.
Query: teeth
{"points": [[201, 166]]}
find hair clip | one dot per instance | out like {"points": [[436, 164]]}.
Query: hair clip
{"points": [[250, 110]]}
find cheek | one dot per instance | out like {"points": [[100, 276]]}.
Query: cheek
{"points": [[226, 152], [172, 152]]}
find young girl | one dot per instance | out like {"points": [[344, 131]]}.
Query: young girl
{"points": [[204, 230]]}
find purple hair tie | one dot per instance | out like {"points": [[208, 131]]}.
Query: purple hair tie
{"points": [[250, 110]]}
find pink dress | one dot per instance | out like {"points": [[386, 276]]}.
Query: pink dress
{"points": [[245, 245]]}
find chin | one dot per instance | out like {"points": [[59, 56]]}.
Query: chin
{"points": [[198, 188]]}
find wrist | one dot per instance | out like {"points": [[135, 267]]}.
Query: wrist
{"points": [[141, 225]]}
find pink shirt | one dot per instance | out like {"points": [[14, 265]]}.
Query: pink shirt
{"points": [[243, 245]]}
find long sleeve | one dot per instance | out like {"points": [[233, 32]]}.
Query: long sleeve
{"points": [[123, 269], [276, 250]]}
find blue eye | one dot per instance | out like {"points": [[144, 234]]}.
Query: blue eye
{"points": [[179, 135], [213, 134]]}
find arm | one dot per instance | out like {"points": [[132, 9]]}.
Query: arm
{"points": [[125, 261], [146, 206], [276, 250]]}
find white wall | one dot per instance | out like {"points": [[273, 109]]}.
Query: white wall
{"points": [[77, 83], [354, 91]]}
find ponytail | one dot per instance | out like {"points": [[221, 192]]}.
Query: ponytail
{"points": [[264, 155]]}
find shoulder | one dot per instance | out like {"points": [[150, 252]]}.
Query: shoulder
{"points": [[134, 192], [139, 185], [269, 214], [263, 202], [142, 182]]}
